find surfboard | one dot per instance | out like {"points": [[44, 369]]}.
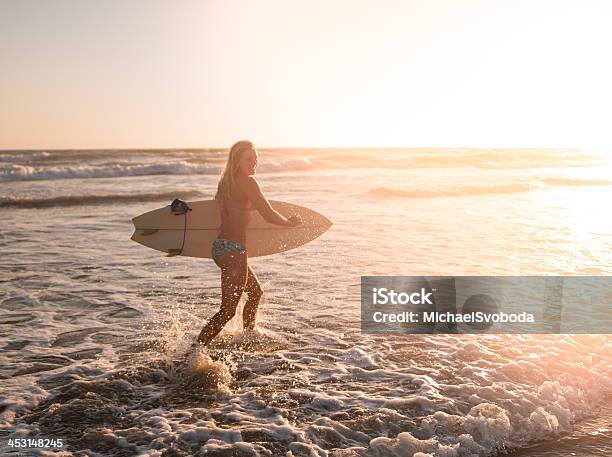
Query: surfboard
{"points": [[191, 234]]}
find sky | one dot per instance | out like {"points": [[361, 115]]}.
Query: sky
{"points": [[317, 73]]}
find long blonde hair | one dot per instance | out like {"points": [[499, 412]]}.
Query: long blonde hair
{"points": [[227, 181]]}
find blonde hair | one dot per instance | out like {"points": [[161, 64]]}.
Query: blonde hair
{"points": [[227, 181]]}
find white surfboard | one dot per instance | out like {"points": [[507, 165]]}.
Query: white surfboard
{"points": [[192, 234]]}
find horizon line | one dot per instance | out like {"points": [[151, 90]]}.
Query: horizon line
{"points": [[213, 148]]}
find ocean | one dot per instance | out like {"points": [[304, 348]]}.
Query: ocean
{"points": [[94, 328]]}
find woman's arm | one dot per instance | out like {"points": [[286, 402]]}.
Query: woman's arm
{"points": [[261, 203]]}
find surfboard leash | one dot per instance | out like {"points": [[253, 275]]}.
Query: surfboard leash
{"points": [[179, 207]]}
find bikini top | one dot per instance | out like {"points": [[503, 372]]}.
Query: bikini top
{"points": [[249, 208]]}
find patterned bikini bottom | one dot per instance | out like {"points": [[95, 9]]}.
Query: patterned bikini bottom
{"points": [[222, 246]]}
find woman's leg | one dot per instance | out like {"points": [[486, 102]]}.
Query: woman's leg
{"points": [[233, 279], [253, 290]]}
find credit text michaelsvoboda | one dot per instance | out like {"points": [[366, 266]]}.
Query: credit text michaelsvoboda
{"points": [[383, 296]]}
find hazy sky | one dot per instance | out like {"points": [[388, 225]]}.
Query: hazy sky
{"points": [[130, 73]]}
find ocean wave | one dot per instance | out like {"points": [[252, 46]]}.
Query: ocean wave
{"points": [[299, 163], [570, 182], [450, 192], [75, 200], [20, 157], [484, 189], [33, 165], [19, 172], [33, 173], [453, 158]]}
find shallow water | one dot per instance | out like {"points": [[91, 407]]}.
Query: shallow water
{"points": [[95, 329]]}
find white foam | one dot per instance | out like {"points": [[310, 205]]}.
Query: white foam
{"points": [[23, 157], [17, 172], [202, 371]]}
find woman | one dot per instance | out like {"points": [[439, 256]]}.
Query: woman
{"points": [[238, 195]]}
